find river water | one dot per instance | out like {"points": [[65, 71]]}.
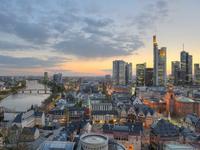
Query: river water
{"points": [[21, 102]]}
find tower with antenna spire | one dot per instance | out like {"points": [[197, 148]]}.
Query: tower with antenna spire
{"points": [[159, 55]]}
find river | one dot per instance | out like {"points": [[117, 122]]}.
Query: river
{"points": [[21, 102]]}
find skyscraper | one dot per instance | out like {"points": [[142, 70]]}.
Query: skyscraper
{"points": [[190, 68], [186, 67], [155, 57], [122, 72], [46, 78], [140, 74], [159, 76], [196, 74], [128, 73], [119, 72], [149, 77], [57, 78], [175, 71]]}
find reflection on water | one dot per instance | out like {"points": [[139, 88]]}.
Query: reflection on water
{"points": [[21, 102]]}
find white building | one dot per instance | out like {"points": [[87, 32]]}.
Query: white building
{"points": [[102, 107], [30, 118], [93, 142]]}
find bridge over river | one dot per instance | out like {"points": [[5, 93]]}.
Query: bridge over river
{"points": [[33, 94], [37, 91]]}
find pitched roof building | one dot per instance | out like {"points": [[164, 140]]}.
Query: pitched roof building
{"points": [[163, 131]]}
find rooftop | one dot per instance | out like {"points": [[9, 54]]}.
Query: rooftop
{"points": [[135, 128], [94, 138], [164, 128], [179, 146], [29, 130], [57, 145], [185, 99]]}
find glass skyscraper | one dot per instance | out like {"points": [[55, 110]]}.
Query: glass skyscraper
{"points": [[140, 74], [186, 67], [122, 72], [159, 76]]}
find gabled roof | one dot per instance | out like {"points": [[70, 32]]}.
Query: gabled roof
{"points": [[136, 100], [38, 114], [193, 118], [198, 124], [18, 118], [164, 128], [143, 108], [131, 128], [189, 134], [24, 115]]}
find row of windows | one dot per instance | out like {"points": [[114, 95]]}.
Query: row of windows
{"points": [[86, 147]]}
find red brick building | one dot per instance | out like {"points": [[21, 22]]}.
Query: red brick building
{"points": [[156, 104], [180, 105]]}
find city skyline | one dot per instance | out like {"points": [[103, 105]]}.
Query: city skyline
{"points": [[83, 38]]}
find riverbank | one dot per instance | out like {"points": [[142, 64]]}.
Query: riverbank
{"points": [[49, 102], [20, 101], [8, 92], [3, 96]]}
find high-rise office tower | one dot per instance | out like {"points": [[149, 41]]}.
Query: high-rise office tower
{"points": [[128, 73], [57, 78], [175, 71], [122, 72], [190, 68], [149, 77], [155, 58], [46, 78], [159, 76], [140, 74], [119, 72], [186, 67], [196, 74], [162, 74]]}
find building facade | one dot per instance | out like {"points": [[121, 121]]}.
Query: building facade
{"points": [[57, 78], [46, 78], [161, 133], [159, 76], [175, 68], [122, 72], [93, 142], [149, 77], [186, 67], [128, 73], [125, 134], [30, 118], [180, 105], [196, 74], [140, 74], [119, 72]]}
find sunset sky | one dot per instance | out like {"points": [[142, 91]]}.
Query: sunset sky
{"points": [[83, 37]]}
